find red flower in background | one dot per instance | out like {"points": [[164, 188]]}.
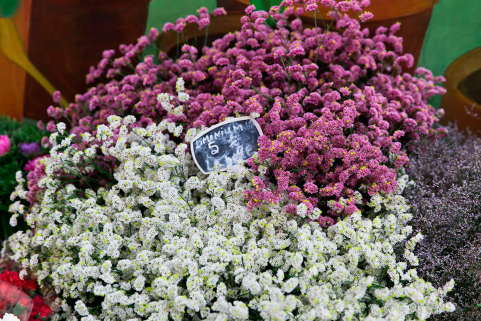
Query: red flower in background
{"points": [[45, 311], [40, 309], [14, 279], [37, 303]]}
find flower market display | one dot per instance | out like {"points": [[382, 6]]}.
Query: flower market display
{"points": [[315, 226]]}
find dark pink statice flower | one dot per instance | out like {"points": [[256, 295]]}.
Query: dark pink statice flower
{"points": [[30, 166], [219, 12], [36, 170], [57, 97]]}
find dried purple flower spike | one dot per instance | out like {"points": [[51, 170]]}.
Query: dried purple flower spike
{"points": [[446, 205]]}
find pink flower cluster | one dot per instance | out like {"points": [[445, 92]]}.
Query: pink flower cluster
{"points": [[4, 144], [36, 170], [337, 112]]}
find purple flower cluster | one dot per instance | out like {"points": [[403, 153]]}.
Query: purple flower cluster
{"points": [[29, 148], [338, 114], [446, 206]]}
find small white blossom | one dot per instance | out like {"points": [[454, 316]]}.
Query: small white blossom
{"points": [[183, 97], [9, 317], [61, 127]]}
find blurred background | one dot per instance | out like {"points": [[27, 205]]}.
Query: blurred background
{"points": [[50, 44]]}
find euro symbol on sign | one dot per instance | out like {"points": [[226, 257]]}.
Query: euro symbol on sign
{"points": [[214, 149]]}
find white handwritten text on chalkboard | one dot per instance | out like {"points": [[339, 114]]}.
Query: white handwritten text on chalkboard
{"points": [[226, 144]]}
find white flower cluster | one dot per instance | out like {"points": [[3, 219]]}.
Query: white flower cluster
{"points": [[165, 99], [166, 242], [9, 317]]}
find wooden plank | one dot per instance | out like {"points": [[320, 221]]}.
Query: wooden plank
{"points": [[68, 36]]}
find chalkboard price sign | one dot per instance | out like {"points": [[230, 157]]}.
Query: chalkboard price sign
{"points": [[226, 144]]}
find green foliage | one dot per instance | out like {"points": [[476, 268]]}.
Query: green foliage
{"points": [[8, 7], [260, 4], [12, 162], [274, 3], [265, 4]]}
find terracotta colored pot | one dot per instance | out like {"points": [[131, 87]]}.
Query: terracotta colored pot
{"points": [[414, 16], [219, 27], [231, 6], [12, 77], [68, 36], [460, 83]]}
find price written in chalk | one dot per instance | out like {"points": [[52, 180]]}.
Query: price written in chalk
{"points": [[226, 144]]}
